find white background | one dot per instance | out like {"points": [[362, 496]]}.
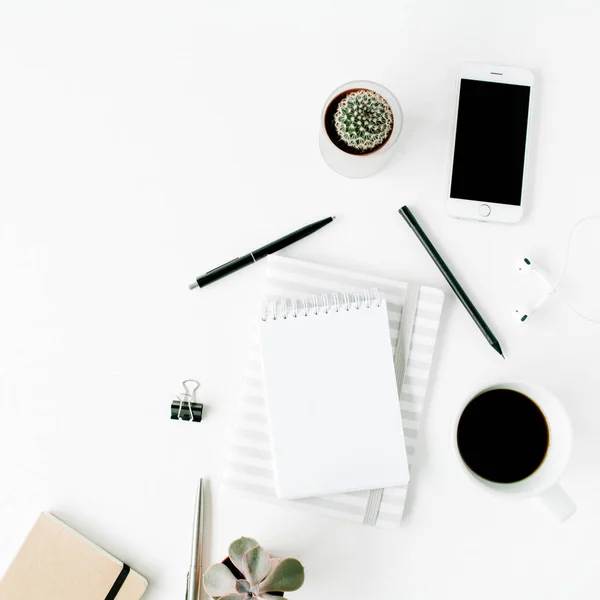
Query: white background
{"points": [[144, 142]]}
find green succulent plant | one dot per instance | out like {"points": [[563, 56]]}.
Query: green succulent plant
{"points": [[363, 120], [262, 574]]}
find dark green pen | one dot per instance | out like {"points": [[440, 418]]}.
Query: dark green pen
{"points": [[452, 281]]}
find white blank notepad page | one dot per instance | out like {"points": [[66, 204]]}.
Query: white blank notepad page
{"points": [[333, 401]]}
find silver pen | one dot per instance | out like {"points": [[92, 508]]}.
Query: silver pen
{"points": [[195, 572]]}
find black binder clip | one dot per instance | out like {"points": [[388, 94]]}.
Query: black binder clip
{"points": [[185, 407]]}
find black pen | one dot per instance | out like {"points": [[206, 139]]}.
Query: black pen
{"points": [[456, 287], [256, 255]]}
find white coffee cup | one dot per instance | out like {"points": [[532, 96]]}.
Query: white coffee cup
{"points": [[543, 484]]}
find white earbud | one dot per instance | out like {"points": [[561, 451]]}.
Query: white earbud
{"points": [[526, 267], [522, 314]]}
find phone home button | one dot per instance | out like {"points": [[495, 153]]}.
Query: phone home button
{"points": [[484, 210]]}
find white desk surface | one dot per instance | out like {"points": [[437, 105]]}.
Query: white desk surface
{"points": [[121, 181]]}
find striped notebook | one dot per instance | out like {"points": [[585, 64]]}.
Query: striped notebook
{"points": [[414, 313]]}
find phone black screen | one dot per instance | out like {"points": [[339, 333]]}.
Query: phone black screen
{"points": [[489, 151]]}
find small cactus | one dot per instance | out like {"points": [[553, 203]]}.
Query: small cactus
{"points": [[262, 574], [363, 120]]}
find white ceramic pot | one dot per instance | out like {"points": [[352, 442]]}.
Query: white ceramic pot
{"points": [[360, 165]]}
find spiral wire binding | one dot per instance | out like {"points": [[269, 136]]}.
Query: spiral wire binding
{"points": [[316, 305]]}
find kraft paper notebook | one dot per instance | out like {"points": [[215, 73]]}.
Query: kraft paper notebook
{"points": [[57, 563], [413, 312]]}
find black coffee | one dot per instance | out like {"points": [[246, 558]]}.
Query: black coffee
{"points": [[503, 436]]}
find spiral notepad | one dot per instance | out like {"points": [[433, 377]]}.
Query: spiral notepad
{"points": [[331, 392], [414, 313]]}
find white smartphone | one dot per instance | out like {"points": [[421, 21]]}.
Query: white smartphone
{"points": [[488, 157]]}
